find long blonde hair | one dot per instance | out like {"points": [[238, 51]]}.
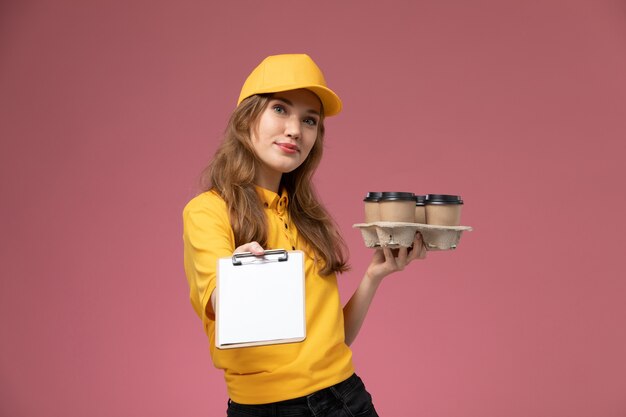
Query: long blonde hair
{"points": [[232, 171]]}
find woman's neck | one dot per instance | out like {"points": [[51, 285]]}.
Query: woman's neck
{"points": [[268, 180]]}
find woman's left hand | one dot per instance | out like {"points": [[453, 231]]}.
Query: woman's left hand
{"points": [[387, 261]]}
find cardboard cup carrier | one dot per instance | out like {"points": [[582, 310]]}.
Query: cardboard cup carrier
{"points": [[393, 219]]}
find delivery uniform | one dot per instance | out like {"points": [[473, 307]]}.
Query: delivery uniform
{"points": [[272, 373]]}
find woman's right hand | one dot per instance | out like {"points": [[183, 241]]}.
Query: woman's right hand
{"points": [[252, 247]]}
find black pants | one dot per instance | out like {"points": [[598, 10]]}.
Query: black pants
{"points": [[345, 399]]}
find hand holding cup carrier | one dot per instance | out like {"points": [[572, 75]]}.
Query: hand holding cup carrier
{"points": [[393, 218]]}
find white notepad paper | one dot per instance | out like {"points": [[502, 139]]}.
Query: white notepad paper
{"points": [[260, 299]]}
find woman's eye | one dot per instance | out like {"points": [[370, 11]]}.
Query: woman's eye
{"points": [[278, 108], [310, 122]]}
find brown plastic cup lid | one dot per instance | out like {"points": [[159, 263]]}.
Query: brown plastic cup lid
{"points": [[443, 199], [397, 196], [373, 196]]}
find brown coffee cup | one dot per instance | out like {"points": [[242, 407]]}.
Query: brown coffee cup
{"points": [[443, 209], [397, 207], [372, 210], [420, 209]]}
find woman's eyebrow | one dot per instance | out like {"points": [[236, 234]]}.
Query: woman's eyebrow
{"points": [[315, 112]]}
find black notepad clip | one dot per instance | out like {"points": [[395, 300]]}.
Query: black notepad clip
{"points": [[261, 258]]}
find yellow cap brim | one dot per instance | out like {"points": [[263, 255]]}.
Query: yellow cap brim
{"points": [[330, 101]]}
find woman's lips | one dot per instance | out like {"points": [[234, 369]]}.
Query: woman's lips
{"points": [[289, 148]]}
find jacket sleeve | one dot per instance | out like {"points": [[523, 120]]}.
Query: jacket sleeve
{"points": [[207, 236]]}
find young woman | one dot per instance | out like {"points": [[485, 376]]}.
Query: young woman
{"points": [[258, 195]]}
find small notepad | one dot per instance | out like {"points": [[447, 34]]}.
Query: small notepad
{"points": [[260, 299]]}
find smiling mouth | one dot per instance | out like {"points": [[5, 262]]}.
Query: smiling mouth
{"points": [[288, 147]]}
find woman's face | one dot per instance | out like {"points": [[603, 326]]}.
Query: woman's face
{"points": [[285, 134]]}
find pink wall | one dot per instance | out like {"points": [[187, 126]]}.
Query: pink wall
{"points": [[109, 110]]}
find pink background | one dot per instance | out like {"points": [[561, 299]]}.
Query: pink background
{"points": [[110, 109]]}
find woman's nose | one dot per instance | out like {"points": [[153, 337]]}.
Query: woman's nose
{"points": [[292, 128]]}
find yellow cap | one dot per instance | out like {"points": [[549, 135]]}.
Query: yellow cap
{"points": [[290, 72]]}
